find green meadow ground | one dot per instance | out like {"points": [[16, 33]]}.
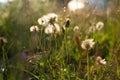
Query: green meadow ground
{"points": [[58, 56]]}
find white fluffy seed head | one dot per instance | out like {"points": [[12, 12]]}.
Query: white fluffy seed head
{"points": [[87, 44], [52, 28], [100, 61], [34, 28], [99, 25], [76, 28], [48, 18]]}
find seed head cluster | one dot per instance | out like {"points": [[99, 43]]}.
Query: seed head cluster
{"points": [[99, 25], [49, 21], [100, 61], [87, 44], [34, 28]]}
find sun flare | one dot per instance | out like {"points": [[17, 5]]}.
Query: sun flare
{"points": [[75, 5]]}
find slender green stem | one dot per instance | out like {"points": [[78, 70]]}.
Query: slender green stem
{"points": [[32, 74], [4, 56], [55, 41], [66, 45], [88, 73]]}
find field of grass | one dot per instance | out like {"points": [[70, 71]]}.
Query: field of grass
{"points": [[59, 44]]}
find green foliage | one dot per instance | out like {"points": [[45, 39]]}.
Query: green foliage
{"points": [[41, 56]]}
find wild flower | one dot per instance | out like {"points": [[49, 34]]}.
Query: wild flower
{"points": [[52, 28], [3, 40], [99, 25], [34, 28], [102, 61], [87, 44], [74, 5], [99, 60], [92, 29], [49, 18], [43, 20], [76, 28], [48, 30], [67, 24], [53, 17]]}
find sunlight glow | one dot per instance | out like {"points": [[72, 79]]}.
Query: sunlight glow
{"points": [[5, 1], [75, 5]]}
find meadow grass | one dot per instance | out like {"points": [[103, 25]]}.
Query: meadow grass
{"points": [[60, 55]]}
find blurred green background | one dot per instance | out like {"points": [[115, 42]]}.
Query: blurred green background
{"points": [[17, 16]]}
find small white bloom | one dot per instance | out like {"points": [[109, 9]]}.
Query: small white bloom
{"points": [[43, 20], [92, 29], [2, 69], [99, 25], [103, 61], [99, 60], [52, 15], [74, 5], [34, 28], [52, 28], [57, 30], [3, 40], [76, 28], [48, 30], [48, 18], [87, 44]]}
